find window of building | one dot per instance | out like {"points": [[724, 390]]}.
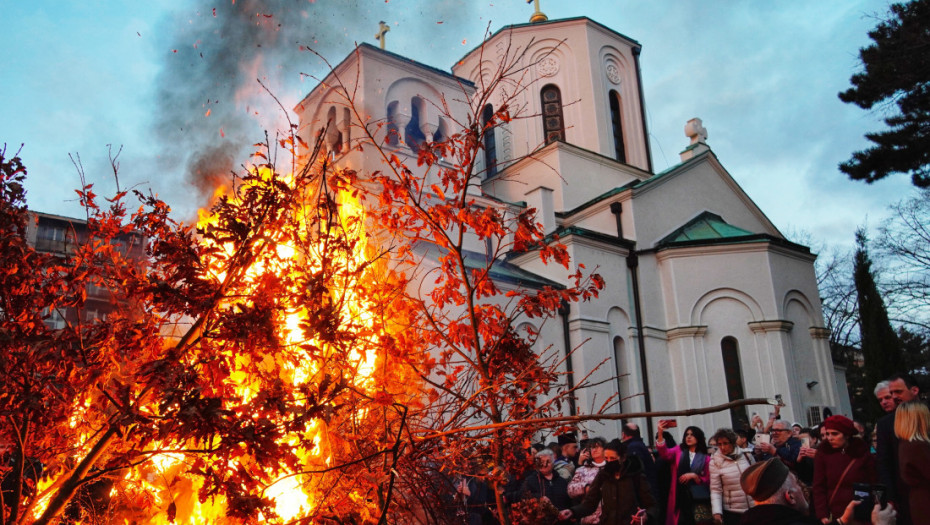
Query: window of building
{"points": [[729, 348], [53, 237], [553, 122], [393, 132], [616, 123], [623, 375], [55, 320], [490, 145], [347, 124], [413, 136], [333, 134]]}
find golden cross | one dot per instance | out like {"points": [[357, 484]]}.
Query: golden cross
{"points": [[537, 16], [382, 29]]}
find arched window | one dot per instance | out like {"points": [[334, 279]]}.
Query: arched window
{"points": [[393, 132], [623, 374], [413, 136], [347, 123], [553, 122], [490, 145], [616, 123], [729, 348], [333, 135]]}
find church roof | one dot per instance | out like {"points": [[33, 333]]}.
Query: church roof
{"points": [[511, 27], [416, 63], [507, 272], [705, 226], [710, 229]]}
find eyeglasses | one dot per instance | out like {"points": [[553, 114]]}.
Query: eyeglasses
{"points": [[723, 443], [780, 430]]}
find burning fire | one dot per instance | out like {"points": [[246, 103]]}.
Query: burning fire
{"points": [[165, 490]]}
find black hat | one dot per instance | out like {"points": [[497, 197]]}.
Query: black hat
{"points": [[568, 437], [763, 479]]}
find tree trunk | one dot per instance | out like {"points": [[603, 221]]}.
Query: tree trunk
{"points": [[74, 481]]}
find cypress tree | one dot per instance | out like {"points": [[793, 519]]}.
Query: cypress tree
{"points": [[881, 349]]}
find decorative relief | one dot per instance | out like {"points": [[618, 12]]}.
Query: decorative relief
{"points": [[547, 67], [501, 49], [613, 73]]}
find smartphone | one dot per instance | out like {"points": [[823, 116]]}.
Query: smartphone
{"points": [[670, 423], [862, 492], [806, 442], [761, 438]]}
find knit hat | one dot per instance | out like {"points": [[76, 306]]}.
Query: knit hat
{"points": [[840, 424], [763, 479], [568, 437]]}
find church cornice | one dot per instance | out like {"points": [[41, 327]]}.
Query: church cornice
{"points": [[819, 332], [778, 325], [364, 50], [593, 238], [685, 331], [558, 147], [761, 242]]}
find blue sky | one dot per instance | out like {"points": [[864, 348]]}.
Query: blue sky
{"points": [[762, 76]]}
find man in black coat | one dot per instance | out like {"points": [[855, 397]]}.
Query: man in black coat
{"points": [[545, 483], [635, 447], [903, 388]]}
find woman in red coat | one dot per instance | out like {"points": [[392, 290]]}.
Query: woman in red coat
{"points": [[842, 459]]}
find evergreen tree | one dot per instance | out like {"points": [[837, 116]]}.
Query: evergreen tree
{"points": [[896, 71], [881, 348]]}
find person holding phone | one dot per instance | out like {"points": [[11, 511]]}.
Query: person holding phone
{"points": [[690, 489], [592, 461], [842, 461]]}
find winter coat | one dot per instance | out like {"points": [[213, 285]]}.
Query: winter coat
{"points": [[636, 447], [914, 466], [725, 490], [674, 456], [619, 497], [584, 476], [789, 452], [565, 468], [537, 486], [829, 464]]}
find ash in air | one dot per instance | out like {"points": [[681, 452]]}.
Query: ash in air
{"points": [[211, 108]]}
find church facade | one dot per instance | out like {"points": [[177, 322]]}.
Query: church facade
{"points": [[705, 300]]}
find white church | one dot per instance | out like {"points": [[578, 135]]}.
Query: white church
{"points": [[705, 300]]}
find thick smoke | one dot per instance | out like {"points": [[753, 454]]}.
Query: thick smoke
{"points": [[210, 106]]}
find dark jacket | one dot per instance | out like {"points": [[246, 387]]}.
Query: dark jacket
{"points": [[829, 465], [636, 447], [620, 498], [789, 452], [914, 463], [777, 515], [556, 489], [888, 474]]}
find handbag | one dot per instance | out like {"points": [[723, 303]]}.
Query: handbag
{"points": [[703, 513], [699, 493]]}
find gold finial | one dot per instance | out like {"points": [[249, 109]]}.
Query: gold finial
{"points": [[382, 29], [538, 16]]}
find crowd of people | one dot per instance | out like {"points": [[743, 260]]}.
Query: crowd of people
{"points": [[773, 472]]}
